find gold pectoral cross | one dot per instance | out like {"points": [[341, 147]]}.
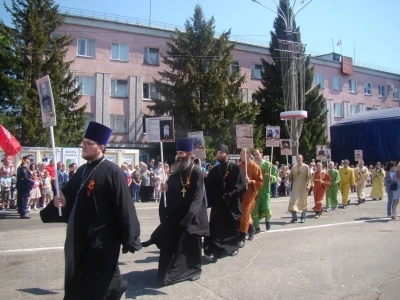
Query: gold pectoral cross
{"points": [[183, 192]]}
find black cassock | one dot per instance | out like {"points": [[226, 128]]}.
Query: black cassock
{"points": [[227, 179], [183, 222], [101, 217]]}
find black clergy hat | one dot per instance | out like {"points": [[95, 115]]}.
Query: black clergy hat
{"points": [[185, 145], [98, 133], [223, 148]]}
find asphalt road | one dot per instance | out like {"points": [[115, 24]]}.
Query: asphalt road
{"points": [[349, 253]]}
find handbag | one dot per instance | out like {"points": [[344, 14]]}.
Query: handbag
{"points": [[393, 186]]}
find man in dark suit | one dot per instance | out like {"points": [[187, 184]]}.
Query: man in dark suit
{"points": [[321, 151], [24, 185]]}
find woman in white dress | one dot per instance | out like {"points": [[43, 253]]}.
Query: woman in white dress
{"points": [[35, 191]]}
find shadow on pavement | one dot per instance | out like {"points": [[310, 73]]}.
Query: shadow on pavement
{"points": [[142, 283], [373, 220], [37, 291], [148, 259]]}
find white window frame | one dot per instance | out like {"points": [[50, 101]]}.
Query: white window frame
{"points": [[396, 94], [89, 117], [341, 110], [83, 81], [352, 112], [234, 66], [86, 54], [353, 86], [146, 57], [259, 69], [152, 92], [337, 83], [367, 88], [118, 118], [382, 91], [115, 83], [120, 46], [319, 79]]}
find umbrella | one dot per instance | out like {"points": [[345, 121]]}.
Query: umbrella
{"points": [[8, 143]]}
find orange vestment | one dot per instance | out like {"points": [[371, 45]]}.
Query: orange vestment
{"points": [[321, 184], [249, 198]]}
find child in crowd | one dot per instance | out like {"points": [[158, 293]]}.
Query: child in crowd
{"points": [[47, 192], [5, 184]]}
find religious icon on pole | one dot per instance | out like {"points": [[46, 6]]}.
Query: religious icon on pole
{"points": [[46, 102], [273, 135], [286, 148], [358, 155], [321, 152]]}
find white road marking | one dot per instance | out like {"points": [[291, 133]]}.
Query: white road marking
{"points": [[267, 232], [31, 250]]}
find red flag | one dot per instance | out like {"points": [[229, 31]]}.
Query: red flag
{"points": [[8, 143]]}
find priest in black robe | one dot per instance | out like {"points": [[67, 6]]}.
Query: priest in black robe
{"points": [[225, 186], [97, 205], [183, 218]]}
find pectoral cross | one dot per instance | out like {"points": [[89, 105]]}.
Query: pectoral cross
{"points": [[183, 192]]}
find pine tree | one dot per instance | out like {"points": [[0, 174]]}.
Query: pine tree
{"points": [[314, 128], [200, 91], [40, 53]]}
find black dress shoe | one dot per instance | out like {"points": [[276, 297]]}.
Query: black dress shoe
{"points": [[257, 230], [252, 232], [25, 217], [241, 243], [167, 282], [234, 253], [212, 258], [194, 278], [293, 221], [268, 225]]}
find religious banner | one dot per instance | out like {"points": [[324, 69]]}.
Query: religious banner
{"points": [[46, 101], [321, 152], [71, 155], [286, 148], [244, 136], [328, 154], [358, 155], [199, 148], [273, 135], [160, 129]]}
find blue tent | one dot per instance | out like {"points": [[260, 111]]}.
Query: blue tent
{"points": [[376, 132]]}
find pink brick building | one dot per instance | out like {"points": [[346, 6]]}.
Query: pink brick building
{"points": [[116, 62]]}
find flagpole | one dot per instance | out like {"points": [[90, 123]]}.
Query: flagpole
{"points": [[245, 165], [341, 47], [54, 158], [162, 162], [333, 47]]}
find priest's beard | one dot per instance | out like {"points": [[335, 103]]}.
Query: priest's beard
{"points": [[181, 165]]}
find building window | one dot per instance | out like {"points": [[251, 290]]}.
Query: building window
{"points": [[150, 92], [382, 90], [118, 123], [86, 47], [367, 88], [256, 71], [119, 88], [234, 67], [368, 108], [119, 52], [337, 107], [396, 94], [336, 83], [319, 80], [88, 118], [86, 84], [151, 56], [352, 86], [376, 107], [353, 109]]}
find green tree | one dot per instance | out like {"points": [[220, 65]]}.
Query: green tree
{"points": [[271, 92], [39, 53], [200, 91]]}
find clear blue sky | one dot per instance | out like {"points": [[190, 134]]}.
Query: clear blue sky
{"points": [[371, 24]]}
